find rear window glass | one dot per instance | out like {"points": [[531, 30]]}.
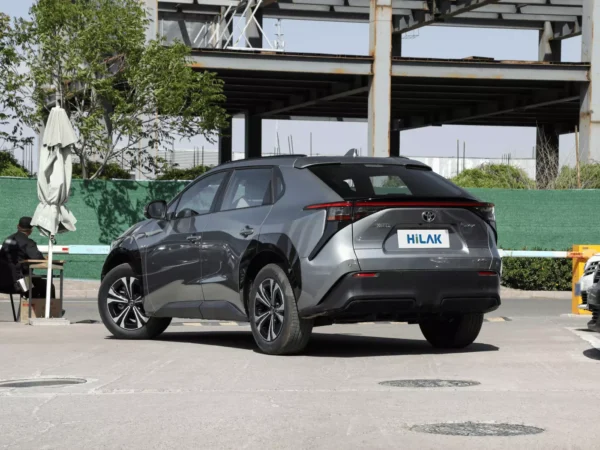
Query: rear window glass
{"points": [[381, 180]]}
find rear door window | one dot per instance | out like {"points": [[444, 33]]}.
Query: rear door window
{"points": [[248, 188], [381, 180]]}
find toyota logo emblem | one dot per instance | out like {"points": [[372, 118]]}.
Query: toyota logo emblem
{"points": [[428, 216]]}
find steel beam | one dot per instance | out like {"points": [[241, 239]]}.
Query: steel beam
{"points": [[253, 141], [295, 103], [394, 125], [446, 10], [490, 109], [488, 71], [225, 144], [380, 83], [152, 26], [549, 49], [547, 154], [589, 120], [253, 33], [232, 60]]}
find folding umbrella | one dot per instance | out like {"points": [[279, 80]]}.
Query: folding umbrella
{"points": [[54, 184]]}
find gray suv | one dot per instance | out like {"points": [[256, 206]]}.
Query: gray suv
{"points": [[292, 242]]}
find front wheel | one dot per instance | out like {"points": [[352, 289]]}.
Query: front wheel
{"points": [[276, 325], [121, 307], [452, 332]]}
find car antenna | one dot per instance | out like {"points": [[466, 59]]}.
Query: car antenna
{"points": [[352, 152]]}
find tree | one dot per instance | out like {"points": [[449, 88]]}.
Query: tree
{"points": [[127, 98], [11, 99]]}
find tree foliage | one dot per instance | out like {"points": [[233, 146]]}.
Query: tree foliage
{"points": [[499, 176], [127, 97]]}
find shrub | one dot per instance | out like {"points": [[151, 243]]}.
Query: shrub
{"points": [[174, 173], [499, 176], [537, 274], [10, 167], [589, 174], [110, 171]]}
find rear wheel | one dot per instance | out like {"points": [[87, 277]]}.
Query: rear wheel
{"points": [[454, 332], [121, 306], [276, 325]]}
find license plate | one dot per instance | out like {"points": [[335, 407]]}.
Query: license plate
{"points": [[423, 239]]}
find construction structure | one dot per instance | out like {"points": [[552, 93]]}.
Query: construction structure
{"points": [[394, 93]]}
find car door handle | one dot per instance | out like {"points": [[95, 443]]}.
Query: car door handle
{"points": [[247, 231], [194, 239]]}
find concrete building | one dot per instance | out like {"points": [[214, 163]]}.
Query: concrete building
{"points": [[394, 93]]}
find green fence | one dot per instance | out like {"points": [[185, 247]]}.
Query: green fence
{"points": [[532, 219]]}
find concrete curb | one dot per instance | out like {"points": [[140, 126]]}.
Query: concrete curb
{"points": [[542, 295]]}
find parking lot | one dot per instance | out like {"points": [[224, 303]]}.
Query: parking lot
{"points": [[202, 385]]}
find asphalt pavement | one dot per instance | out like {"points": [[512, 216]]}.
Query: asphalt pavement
{"points": [[85, 309], [531, 382]]}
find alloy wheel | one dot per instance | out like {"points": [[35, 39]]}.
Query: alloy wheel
{"points": [[125, 304], [269, 309]]}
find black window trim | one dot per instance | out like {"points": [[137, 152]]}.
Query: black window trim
{"points": [[239, 169], [277, 173]]}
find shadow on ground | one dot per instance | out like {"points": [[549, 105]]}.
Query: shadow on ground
{"points": [[592, 353], [325, 345]]}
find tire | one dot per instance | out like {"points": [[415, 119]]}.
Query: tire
{"points": [[455, 332], [134, 324], [272, 335]]}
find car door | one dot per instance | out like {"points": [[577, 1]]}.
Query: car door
{"points": [[231, 233], [171, 256]]}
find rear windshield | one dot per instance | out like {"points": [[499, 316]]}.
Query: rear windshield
{"points": [[379, 180]]}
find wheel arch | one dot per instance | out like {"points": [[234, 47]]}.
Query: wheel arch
{"points": [[265, 254], [122, 256]]}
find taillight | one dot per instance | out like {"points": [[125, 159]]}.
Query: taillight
{"points": [[488, 213], [346, 211]]}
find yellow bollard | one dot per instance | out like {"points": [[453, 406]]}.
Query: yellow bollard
{"points": [[580, 254]]}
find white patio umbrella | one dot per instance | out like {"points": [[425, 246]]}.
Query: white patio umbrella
{"points": [[54, 184]]}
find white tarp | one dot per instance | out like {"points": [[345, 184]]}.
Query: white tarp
{"points": [[54, 176]]}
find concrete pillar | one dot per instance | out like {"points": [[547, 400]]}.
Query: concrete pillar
{"points": [[225, 144], [589, 117], [253, 33], [253, 141], [380, 83], [546, 155], [546, 143]]}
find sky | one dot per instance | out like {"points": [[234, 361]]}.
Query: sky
{"points": [[433, 42]]}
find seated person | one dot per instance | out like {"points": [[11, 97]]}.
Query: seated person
{"points": [[19, 247]]}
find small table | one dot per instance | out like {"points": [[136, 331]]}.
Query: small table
{"points": [[42, 264]]}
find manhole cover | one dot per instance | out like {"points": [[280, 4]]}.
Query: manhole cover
{"points": [[477, 429], [429, 383], [41, 382]]}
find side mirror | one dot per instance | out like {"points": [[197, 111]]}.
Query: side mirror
{"points": [[156, 209]]}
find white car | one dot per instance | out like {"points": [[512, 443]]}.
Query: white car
{"points": [[587, 280]]}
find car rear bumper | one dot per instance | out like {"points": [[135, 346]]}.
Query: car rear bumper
{"points": [[407, 295]]}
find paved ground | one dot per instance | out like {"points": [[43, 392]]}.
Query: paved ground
{"points": [[209, 388]]}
